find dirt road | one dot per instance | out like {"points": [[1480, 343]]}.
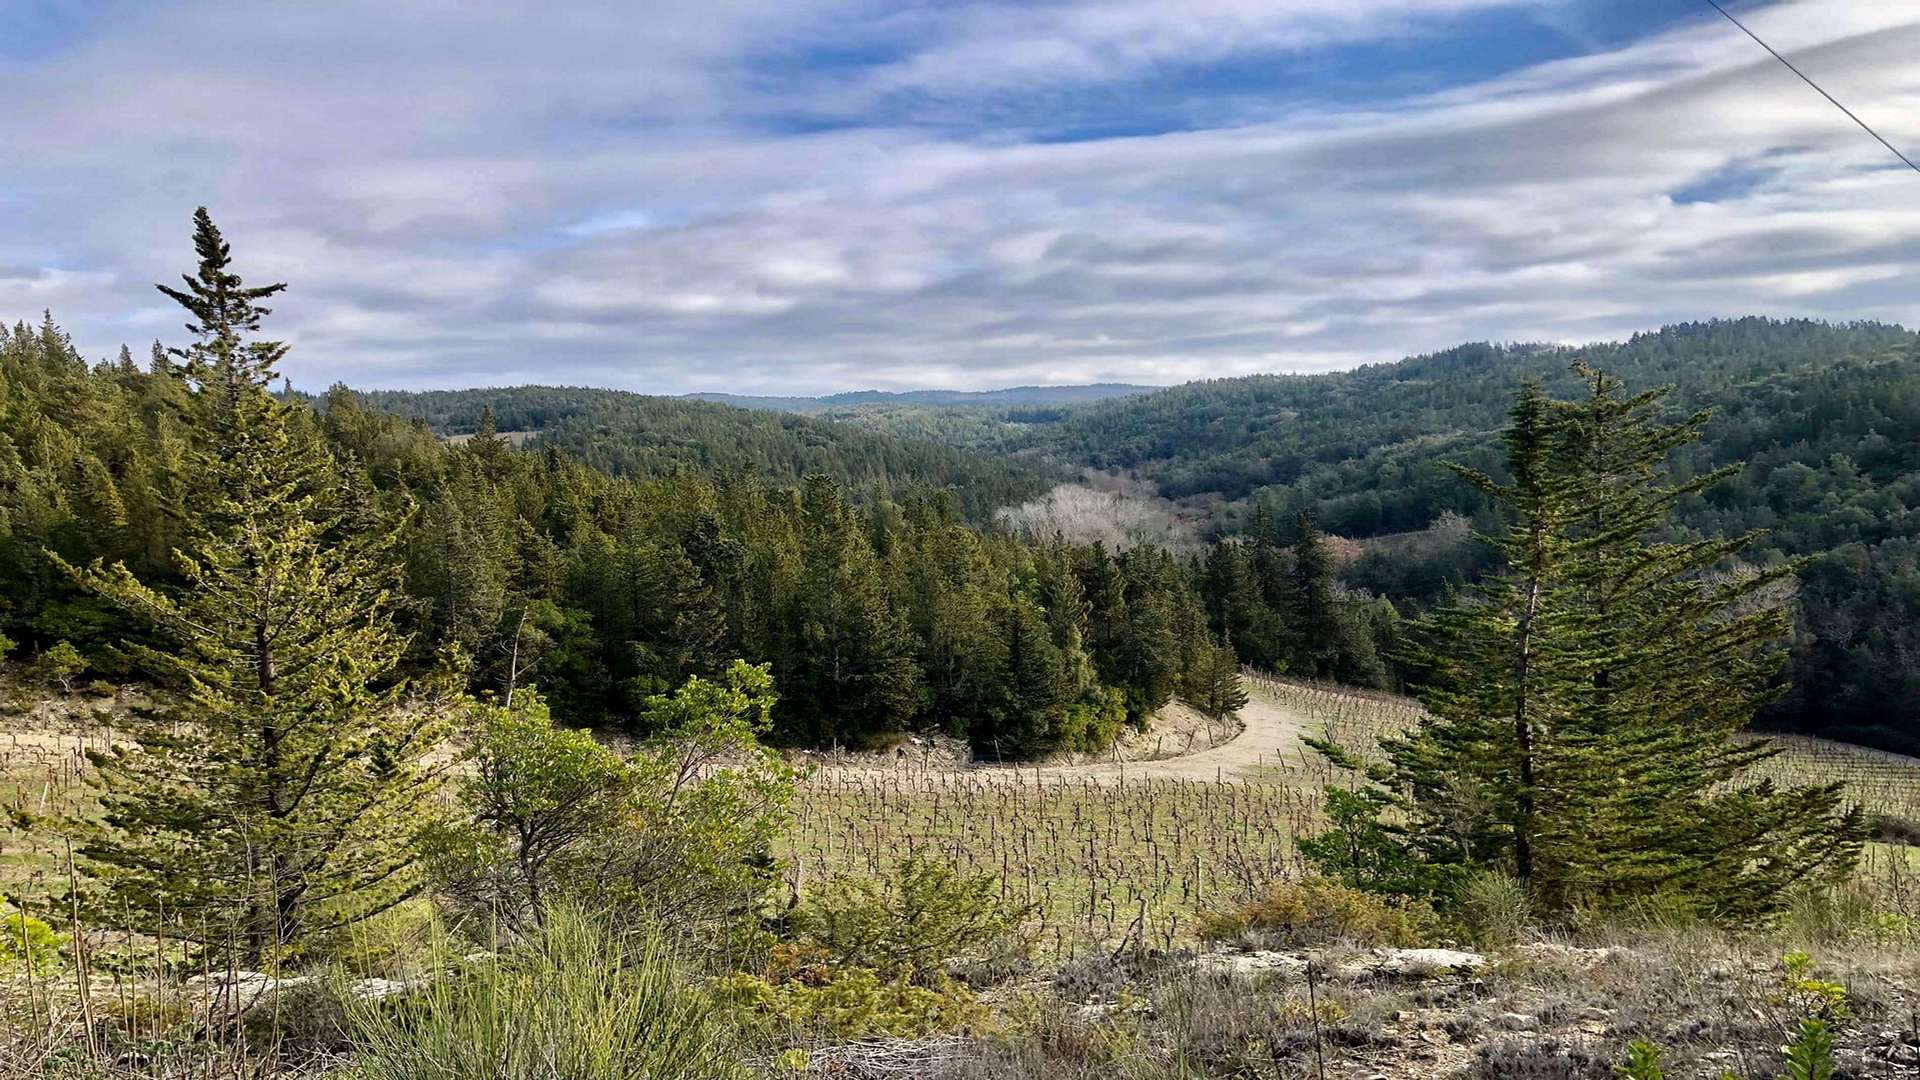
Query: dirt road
{"points": [[1270, 733]]}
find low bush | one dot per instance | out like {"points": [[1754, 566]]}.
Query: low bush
{"points": [[806, 997], [1316, 911], [1493, 908], [575, 1000], [913, 922], [28, 942]]}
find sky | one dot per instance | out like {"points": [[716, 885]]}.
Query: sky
{"points": [[805, 196]]}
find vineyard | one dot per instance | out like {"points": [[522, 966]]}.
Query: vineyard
{"points": [[1100, 852], [1108, 856]]}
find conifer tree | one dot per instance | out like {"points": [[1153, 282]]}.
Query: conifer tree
{"points": [[1217, 689], [1319, 632], [272, 794], [849, 665], [1584, 706]]}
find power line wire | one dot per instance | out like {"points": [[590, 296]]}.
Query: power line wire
{"points": [[1815, 85]]}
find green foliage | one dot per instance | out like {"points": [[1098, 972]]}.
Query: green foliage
{"points": [[1493, 908], [26, 941], [1216, 689], [275, 792], [579, 1000], [1643, 1062], [680, 832], [1584, 706], [7, 645], [1810, 1054], [1366, 848], [58, 666], [806, 997], [1820, 999], [534, 793], [1317, 911], [907, 924]]}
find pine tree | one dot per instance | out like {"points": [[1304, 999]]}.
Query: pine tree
{"points": [[1318, 629], [1584, 706], [1673, 659], [1217, 690], [273, 793], [1032, 690], [224, 309], [849, 664]]}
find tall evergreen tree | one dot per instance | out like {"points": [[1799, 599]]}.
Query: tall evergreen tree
{"points": [[1319, 632], [1584, 707], [273, 793], [224, 310]]}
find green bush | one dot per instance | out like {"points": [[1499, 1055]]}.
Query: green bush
{"points": [[681, 832], [1817, 998], [1492, 908], [805, 996], [24, 938], [1810, 1054], [575, 1000], [910, 923], [1643, 1062], [1317, 910], [58, 666]]}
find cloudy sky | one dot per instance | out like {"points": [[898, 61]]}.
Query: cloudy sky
{"points": [[815, 195]]}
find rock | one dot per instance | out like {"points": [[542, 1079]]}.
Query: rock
{"points": [[1253, 965], [1573, 954], [380, 989], [239, 991], [1517, 1021], [1411, 963]]}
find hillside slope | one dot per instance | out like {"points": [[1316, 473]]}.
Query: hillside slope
{"points": [[1011, 397], [1824, 419], [639, 435]]}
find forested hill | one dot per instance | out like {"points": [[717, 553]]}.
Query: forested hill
{"points": [[1824, 419], [1235, 436], [1010, 398], [639, 435]]}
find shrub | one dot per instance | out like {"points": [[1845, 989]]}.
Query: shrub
{"points": [[1894, 829], [908, 924], [681, 832], [25, 939], [1316, 910], [575, 1000], [1492, 908], [1817, 998], [58, 666], [805, 996], [1363, 849], [1643, 1062], [1810, 1054]]}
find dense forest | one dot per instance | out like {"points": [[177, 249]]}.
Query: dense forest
{"points": [[607, 570], [1013, 397], [1823, 419], [639, 435], [626, 540]]}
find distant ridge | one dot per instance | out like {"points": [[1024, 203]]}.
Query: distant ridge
{"points": [[1012, 396]]}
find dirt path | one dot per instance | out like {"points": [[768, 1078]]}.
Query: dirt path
{"points": [[1270, 733]]}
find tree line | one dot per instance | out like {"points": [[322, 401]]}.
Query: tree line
{"points": [[1825, 419], [879, 615]]}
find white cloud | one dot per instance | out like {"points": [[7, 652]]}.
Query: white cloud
{"points": [[459, 193]]}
